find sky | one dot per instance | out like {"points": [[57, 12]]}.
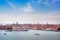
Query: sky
{"points": [[30, 11]]}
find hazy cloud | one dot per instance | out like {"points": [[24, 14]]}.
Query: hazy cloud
{"points": [[27, 9], [42, 18], [11, 5], [45, 2]]}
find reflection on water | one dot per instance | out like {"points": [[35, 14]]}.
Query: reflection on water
{"points": [[29, 35]]}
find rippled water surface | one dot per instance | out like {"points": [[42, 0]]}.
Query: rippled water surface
{"points": [[29, 35]]}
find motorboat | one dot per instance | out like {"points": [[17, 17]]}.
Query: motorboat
{"points": [[5, 33], [37, 34]]}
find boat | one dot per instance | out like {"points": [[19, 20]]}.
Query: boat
{"points": [[37, 34], [5, 33]]}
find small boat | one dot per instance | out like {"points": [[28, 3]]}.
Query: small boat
{"points": [[37, 34], [5, 33]]}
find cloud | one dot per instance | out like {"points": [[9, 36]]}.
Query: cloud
{"points": [[27, 9], [38, 2], [45, 2], [54, 1], [48, 2], [51, 18], [11, 5]]}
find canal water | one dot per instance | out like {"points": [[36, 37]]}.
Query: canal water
{"points": [[29, 35]]}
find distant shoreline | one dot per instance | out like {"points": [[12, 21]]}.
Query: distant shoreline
{"points": [[28, 30]]}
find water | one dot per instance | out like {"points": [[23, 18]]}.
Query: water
{"points": [[30, 35]]}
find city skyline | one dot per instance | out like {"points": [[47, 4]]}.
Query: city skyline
{"points": [[30, 11]]}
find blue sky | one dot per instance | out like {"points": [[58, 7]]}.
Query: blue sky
{"points": [[30, 11]]}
